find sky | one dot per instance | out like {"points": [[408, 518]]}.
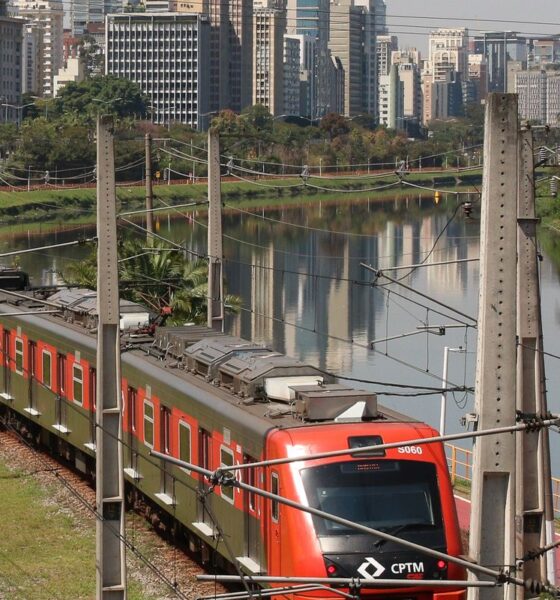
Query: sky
{"points": [[525, 11]]}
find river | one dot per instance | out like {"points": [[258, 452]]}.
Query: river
{"points": [[298, 271]]}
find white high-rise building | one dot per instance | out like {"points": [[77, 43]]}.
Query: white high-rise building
{"points": [[269, 27], [539, 95], [448, 52], [166, 54], [48, 15]]}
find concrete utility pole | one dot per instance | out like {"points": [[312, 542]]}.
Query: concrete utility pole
{"points": [[149, 190], [492, 539], [534, 518], [109, 496], [215, 265]]}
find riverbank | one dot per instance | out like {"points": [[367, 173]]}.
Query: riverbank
{"points": [[78, 205]]}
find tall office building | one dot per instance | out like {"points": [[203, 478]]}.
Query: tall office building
{"points": [[311, 18], [539, 95], [31, 53], [381, 18], [498, 48], [292, 65], [166, 54], [385, 46], [307, 74], [369, 41], [346, 43], [269, 27], [408, 65], [11, 38], [83, 12], [48, 16]]}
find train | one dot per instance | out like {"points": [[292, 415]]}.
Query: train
{"points": [[216, 400]]}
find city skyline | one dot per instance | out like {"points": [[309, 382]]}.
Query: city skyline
{"points": [[433, 13]]}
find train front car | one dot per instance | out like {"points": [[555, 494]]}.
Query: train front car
{"points": [[403, 491]]}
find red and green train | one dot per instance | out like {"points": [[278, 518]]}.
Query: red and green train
{"points": [[216, 401]]}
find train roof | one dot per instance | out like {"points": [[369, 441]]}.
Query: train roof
{"points": [[271, 390]]}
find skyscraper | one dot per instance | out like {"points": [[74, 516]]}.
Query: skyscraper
{"points": [[311, 18], [10, 65], [269, 26], [166, 55], [48, 15]]}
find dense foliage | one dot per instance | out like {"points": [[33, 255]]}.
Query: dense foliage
{"points": [[58, 135], [157, 276]]}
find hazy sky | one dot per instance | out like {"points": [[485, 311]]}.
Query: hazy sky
{"points": [[525, 11]]}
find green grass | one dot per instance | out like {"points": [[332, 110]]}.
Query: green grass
{"points": [[47, 552], [78, 206]]}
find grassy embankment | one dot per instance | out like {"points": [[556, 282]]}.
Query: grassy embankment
{"points": [[77, 205], [47, 550]]}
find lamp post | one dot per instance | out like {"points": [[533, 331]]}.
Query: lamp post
{"points": [[18, 108], [101, 101], [443, 406]]}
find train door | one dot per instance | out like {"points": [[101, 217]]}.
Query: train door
{"points": [[61, 408], [165, 437], [6, 363], [252, 512], [131, 425], [204, 460], [32, 376], [92, 387], [273, 523]]}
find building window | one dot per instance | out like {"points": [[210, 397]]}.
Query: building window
{"points": [[47, 366], [226, 460], [78, 384], [19, 356], [148, 424], [274, 489], [185, 443]]}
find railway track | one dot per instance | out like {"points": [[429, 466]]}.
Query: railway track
{"points": [[76, 496]]}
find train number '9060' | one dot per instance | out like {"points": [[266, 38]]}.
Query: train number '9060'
{"points": [[410, 450]]}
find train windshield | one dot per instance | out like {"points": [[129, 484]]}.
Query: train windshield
{"points": [[388, 495]]}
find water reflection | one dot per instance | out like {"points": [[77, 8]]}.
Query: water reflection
{"points": [[297, 270]]}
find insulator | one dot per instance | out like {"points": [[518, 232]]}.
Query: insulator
{"points": [[554, 187]]}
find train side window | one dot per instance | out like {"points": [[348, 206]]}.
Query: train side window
{"points": [[19, 356], [47, 366], [165, 422], [78, 384], [148, 424], [131, 409], [226, 460], [274, 489], [61, 373], [185, 443]]}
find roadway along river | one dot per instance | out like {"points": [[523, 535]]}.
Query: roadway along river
{"points": [[305, 294]]}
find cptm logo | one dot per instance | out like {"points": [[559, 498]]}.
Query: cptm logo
{"points": [[408, 567]]}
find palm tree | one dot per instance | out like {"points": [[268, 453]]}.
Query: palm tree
{"points": [[157, 277]]}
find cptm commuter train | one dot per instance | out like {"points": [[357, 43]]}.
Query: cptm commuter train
{"points": [[216, 400]]}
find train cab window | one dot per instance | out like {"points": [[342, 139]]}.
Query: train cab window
{"points": [[275, 489], [185, 443], [78, 384], [148, 424], [19, 356], [226, 460], [384, 494], [47, 366]]}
